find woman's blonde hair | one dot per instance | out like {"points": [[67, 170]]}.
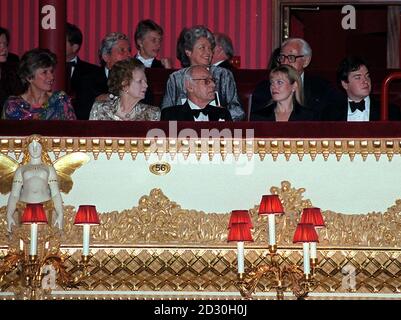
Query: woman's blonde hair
{"points": [[293, 76]]}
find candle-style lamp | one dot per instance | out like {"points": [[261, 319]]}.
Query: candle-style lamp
{"points": [[313, 216], [239, 227], [270, 205], [305, 233], [281, 272], [31, 269], [86, 216], [34, 214]]}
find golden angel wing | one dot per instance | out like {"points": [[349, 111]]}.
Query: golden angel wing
{"points": [[66, 166], [7, 169]]}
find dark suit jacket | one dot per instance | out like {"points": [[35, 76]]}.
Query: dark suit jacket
{"points": [[157, 64], [10, 84], [226, 64], [184, 113], [339, 112], [299, 113], [317, 94], [87, 89], [13, 58], [76, 88], [81, 69]]}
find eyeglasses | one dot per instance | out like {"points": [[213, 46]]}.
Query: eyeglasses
{"points": [[207, 80], [291, 58]]}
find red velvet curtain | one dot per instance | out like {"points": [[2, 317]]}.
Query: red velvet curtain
{"points": [[247, 22]]}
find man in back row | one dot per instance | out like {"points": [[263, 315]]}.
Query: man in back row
{"points": [[76, 68], [223, 51]]}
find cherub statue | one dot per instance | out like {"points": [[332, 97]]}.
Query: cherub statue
{"points": [[36, 180]]}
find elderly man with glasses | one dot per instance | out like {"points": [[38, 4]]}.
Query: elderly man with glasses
{"points": [[200, 89], [318, 92]]}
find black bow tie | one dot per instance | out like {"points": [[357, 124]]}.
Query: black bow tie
{"points": [[357, 105], [197, 112], [72, 63]]}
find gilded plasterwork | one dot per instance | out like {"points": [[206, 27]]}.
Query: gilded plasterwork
{"points": [[215, 147], [159, 221], [159, 246]]}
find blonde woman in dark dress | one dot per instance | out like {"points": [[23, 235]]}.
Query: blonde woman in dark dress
{"points": [[287, 98]]}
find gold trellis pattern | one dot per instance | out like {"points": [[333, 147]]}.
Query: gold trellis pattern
{"points": [[214, 270]]}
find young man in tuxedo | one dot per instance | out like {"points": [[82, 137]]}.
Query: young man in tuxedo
{"points": [[200, 89], [76, 69], [357, 104]]}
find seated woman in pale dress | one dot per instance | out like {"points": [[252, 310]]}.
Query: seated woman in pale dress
{"points": [[127, 87]]}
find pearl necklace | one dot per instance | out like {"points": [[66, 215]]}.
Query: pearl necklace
{"points": [[126, 115]]}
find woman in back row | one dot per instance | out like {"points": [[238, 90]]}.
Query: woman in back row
{"points": [[195, 47]]}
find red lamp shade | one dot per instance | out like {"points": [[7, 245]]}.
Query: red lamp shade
{"points": [[313, 216], [239, 232], [270, 204], [87, 215], [34, 213], [240, 216], [305, 232]]}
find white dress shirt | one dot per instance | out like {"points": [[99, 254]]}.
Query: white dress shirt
{"points": [[201, 117], [75, 60], [218, 63], [359, 115], [147, 62]]}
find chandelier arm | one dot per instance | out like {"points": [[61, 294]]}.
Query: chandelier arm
{"points": [[10, 262], [296, 277]]}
